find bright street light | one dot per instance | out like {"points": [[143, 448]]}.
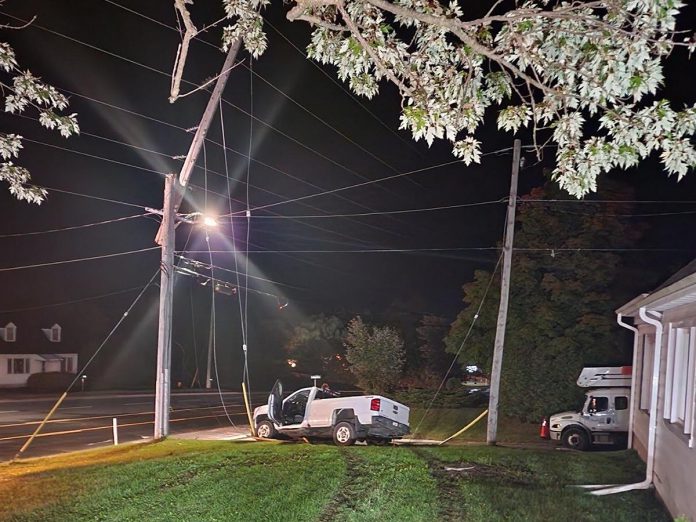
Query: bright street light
{"points": [[210, 221]]}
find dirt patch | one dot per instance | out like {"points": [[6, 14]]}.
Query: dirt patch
{"points": [[449, 476], [477, 471], [351, 490]]}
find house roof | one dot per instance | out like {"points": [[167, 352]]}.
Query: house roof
{"points": [[678, 290], [30, 338]]}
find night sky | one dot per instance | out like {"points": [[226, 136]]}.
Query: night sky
{"points": [[308, 135]]}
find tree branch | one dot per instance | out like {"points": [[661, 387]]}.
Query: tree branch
{"points": [[182, 52]]}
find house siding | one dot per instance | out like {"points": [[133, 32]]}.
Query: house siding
{"points": [[675, 462], [37, 365]]}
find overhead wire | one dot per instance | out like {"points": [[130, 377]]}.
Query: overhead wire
{"points": [[380, 212], [73, 301], [248, 223], [164, 73], [74, 227], [408, 142], [234, 240], [77, 260], [275, 194], [91, 196], [280, 91]]}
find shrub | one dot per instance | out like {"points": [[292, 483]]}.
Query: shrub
{"points": [[50, 381]]}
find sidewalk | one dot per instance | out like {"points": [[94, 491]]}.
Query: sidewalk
{"points": [[236, 433]]}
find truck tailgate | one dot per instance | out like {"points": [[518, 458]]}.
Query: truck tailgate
{"points": [[392, 410]]}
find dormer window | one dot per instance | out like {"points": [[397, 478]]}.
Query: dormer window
{"points": [[53, 333], [9, 333]]}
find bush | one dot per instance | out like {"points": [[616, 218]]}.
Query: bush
{"points": [[50, 381], [459, 398]]}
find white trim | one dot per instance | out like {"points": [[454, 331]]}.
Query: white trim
{"points": [[690, 384], [669, 371]]}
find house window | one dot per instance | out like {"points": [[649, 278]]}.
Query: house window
{"points": [[18, 366], [648, 349], [9, 333], [55, 333], [682, 378], [66, 365]]}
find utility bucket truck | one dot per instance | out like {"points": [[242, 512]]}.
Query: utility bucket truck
{"points": [[603, 419], [320, 414]]}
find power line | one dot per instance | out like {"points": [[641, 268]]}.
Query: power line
{"points": [[164, 73], [75, 227], [205, 266], [278, 90], [406, 141], [73, 301], [635, 201], [380, 213], [356, 185], [444, 249], [89, 196], [78, 260]]}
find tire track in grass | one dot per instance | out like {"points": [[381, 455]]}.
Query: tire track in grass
{"points": [[449, 497], [353, 488]]}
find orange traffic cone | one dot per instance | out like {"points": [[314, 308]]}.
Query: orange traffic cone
{"points": [[544, 429]]}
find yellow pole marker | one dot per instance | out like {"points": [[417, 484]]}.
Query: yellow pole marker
{"points": [[40, 426], [464, 428], [248, 410]]}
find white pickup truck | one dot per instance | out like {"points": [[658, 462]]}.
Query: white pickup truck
{"points": [[314, 413], [603, 419]]}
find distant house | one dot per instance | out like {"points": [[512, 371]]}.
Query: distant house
{"points": [[663, 416], [30, 350]]}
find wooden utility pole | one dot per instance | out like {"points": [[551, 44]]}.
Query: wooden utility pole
{"points": [[491, 434], [173, 196], [164, 333]]}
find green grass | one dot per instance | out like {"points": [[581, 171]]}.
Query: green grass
{"points": [[440, 423], [199, 480]]}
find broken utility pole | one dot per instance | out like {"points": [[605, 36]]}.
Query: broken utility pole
{"points": [[173, 196], [492, 431]]}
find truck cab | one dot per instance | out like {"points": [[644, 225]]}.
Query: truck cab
{"points": [[604, 417]]}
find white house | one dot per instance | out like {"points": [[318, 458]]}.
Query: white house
{"points": [[663, 412], [15, 368]]}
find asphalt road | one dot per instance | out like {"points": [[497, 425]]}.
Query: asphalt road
{"points": [[85, 420]]}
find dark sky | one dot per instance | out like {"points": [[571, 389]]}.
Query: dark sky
{"points": [[308, 136]]}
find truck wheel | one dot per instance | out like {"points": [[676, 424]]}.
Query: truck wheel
{"points": [[575, 438], [266, 430], [344, 434]]}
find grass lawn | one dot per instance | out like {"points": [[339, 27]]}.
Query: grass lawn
{"points": [[199, 480], [440, 423]]}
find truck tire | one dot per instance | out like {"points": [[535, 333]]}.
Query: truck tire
{"points": [[344, 434], [266, 430], [575, 438]]}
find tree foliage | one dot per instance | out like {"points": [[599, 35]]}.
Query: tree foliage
{"points": [[435, 360], [375, 354], [22, 91], [560, 315], [317, 347], [581, 75]]}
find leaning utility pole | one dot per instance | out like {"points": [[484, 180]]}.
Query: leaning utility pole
{"points": [[173, 196], [494, 389], [164, 333]]}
